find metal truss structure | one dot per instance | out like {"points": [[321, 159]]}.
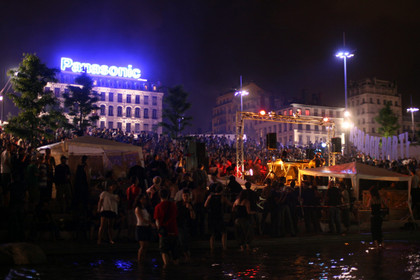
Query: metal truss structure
{"points": [[272, 117]]}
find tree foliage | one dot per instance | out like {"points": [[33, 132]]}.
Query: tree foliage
{"points": [[38, 115], [388, 121], [175, 107], [80, 102]]}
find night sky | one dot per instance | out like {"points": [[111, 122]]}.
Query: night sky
{"points": [[283, 46]]}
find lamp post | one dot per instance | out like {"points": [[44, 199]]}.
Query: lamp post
{"points": [[344, 55], [241, 93], [2, 108], [412, 110]]}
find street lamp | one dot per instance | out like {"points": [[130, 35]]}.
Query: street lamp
{"points": [[412, 110], [241, 93], [2, 108], [344, 55]]}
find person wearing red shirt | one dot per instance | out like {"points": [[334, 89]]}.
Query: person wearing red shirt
{"points": [[165, 216]]}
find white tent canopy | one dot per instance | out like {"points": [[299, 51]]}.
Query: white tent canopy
{"points": [[356, 171], [112, 154]]}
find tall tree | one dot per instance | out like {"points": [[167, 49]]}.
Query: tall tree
{"points": [[38, 115], [388, 121], [81, 101], [175, 107]]}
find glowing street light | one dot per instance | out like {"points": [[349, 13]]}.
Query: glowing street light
{"points": [[412, 110], [345, 55], [241, 93]]}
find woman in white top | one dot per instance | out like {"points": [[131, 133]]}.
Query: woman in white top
{"points": [[144, 225], [108, 209]]}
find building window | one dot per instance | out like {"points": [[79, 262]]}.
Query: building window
{"points": [[128, 98], [119, 98], [279, 127], [379, 101], [300, 127], [110, 110], [111, 97], [308, 127], [110, 125], [119, 111], [102, 96], [128, 127], [384, 102], [284, 113], [371, 100], [316, 128], [57, 92], [290, 112], [119, 125], [285, 127], [290, 126], [306, 112], [146, 100], [128, 112], [154, 114], [102, 124], [300, 139], [154, 100], [137, 128], [396, 103], [315, 112], [137, 113], [146, 113], [308, 140], [102, 110], [137, 101]]}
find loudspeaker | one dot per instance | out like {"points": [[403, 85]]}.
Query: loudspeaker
{"points": [[310, 153], [201, 152], [336, 144], [195, 153], [272, 141]]}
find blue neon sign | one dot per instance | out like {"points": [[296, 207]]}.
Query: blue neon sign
{"points": [[96, 69]]}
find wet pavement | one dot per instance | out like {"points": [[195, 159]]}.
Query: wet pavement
{"points": [[306, 257]]}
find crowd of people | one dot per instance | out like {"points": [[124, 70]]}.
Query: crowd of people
{"points": [[160, 200]]}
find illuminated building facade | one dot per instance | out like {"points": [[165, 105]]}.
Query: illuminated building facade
{"points": [[367, 97], [227, 104], [126, 101], [289, 134]]}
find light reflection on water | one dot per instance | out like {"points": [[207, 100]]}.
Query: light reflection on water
{"points": [[338, 261]]}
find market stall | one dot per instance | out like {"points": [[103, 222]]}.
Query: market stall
{"points": [[103, 155], [398, 199]]}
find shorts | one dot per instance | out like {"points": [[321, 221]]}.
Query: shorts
{"points": [[143, 233], [108, 214], [169, 244]]}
